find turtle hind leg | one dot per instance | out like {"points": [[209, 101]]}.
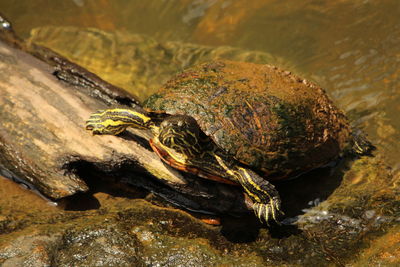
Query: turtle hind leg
{"points": [[266, 199], [360, 144], [115, 121]]}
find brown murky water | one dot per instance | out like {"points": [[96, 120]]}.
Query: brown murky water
{"points": [[350, 48]]}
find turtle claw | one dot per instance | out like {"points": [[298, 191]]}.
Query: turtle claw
{"points": [[96, 123], [266, 212], [266, 200]]}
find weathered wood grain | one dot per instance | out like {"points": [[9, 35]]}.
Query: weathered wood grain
{"points": [[42, 129]]}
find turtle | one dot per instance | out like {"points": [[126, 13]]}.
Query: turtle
{"points": [[239, 123]]}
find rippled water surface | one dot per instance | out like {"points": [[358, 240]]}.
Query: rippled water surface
{"points": [[351, 48]]}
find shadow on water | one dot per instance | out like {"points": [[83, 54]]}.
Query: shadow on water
{"points": [[298, 195], [311, 188], [128, 180], [246, 229]]}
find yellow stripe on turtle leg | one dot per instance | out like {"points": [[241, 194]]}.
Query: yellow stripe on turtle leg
{"points": [[236, 175], [254, 185], [121, 113], [114, 121], [266, 200], [222, 163]]}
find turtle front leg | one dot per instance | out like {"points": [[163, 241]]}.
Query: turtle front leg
{"points": [[266, 199], [115, 121]]}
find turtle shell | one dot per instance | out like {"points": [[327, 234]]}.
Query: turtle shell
{"points": [[264, 117]]}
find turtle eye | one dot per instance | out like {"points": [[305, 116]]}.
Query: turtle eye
{"points": [[165, 124]]}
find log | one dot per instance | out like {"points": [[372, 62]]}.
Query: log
{"points": [[44, 103], [42, 130]]}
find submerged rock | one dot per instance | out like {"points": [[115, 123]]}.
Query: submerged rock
{"points": [[135, 62]]}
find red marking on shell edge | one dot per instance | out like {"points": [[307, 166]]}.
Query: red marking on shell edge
{"points": [[211, 221], [179, 166]]}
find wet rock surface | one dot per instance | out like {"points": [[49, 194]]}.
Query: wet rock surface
{"points": [[122, 232], [347, 228]]}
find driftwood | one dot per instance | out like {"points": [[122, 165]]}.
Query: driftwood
{"points": [[44, 103], [42, 130]]}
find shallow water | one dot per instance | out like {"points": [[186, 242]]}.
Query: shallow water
{"points": [[350, 48]]}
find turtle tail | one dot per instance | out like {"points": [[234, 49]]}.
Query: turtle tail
{"points": [[361, 146]]}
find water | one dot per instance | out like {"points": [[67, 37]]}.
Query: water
{"points": [[350, 48]]}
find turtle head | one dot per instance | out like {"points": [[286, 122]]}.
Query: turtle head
{"points": [[182, 134]]}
